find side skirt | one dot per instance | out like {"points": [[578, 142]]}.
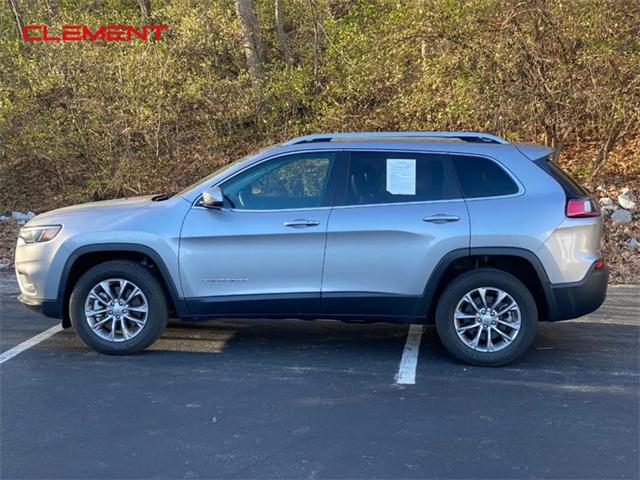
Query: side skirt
{"points": [[355, 307]]}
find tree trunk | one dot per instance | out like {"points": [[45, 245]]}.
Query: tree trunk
{"points": [[16, 16], [282, 36], [616, 130], [252, 43], [316, 46], [145, 8]]}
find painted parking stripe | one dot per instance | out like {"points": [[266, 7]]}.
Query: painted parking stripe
{"points": [[18, 349], [409, 362]]}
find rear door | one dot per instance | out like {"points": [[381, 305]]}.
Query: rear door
{"points": [[396, 215]]}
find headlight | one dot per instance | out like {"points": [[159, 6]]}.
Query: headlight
{"points": [[39, 234]]}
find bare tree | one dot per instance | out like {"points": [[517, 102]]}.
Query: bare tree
{"points": [[281, 34], [252, 42], [16, 15], [145, 8], [616, 130]]}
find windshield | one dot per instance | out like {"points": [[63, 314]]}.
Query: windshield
{"points": [[214, 174]]}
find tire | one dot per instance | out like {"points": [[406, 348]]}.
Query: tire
{"points": [[134, 331], [491, 283]]}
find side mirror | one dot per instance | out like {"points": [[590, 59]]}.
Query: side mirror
{"points": [[212, 198]]}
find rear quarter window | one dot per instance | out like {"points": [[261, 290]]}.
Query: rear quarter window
{"points": [[481, 177], [569, 185]]}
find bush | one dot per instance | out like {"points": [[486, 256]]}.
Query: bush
{"points": [[83, 121]]}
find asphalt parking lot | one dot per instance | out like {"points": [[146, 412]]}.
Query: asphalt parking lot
{"points": [[295, 399]]}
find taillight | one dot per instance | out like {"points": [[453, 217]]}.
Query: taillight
{"points": [[599, 264], [582, 207]]}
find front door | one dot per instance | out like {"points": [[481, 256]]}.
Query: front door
{"points": [[262, 252], [396, 215]]}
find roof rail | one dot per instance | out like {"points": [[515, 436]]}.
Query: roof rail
{"points": [[474, 137]]}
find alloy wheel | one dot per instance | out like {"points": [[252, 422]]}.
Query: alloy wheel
{"points": [[487, 319], [116, 309]]}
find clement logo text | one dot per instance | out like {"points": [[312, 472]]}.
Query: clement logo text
{"points": [[84, 33]]}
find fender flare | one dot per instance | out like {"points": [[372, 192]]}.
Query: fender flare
{"points": [[177, 301], [425, 302]]}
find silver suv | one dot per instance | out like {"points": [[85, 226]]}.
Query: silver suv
{"points": [[480, 236]]}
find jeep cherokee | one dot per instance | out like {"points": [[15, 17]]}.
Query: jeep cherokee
{"points": [[482, 237]]}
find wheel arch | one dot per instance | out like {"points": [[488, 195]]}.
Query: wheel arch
{"points": [[522, 263], [86, 257]]}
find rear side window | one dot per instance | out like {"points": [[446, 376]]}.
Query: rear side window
{"points": [[571, 188], [392, 177], [481, 177]]}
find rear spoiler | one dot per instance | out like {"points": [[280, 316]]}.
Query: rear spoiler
{"points": [[534, 152]]}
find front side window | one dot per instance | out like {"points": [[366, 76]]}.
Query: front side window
{"points": [[293, 181], [392, 177], [481, 177]]}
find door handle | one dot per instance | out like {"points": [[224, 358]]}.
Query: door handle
{"points": [[302, 223], [441, 218]]}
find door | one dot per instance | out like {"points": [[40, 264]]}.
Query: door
{"points": [[396, 215], [262, 252]]}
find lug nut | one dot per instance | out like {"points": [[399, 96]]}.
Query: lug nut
{"points": [[125, 311], [110, 312], [117, 317]]}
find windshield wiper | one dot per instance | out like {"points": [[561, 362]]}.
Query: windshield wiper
{"points": [[162, 196]]}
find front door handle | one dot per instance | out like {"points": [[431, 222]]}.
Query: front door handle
{"points": [[302, 223], [441, 218]]}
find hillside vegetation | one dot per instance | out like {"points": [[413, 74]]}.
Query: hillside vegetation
{"points": [[81, 121]]}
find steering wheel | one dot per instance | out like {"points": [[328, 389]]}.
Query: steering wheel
{"points": [[241, 198]]}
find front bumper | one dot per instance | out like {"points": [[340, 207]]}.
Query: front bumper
{"points": [[48, 308], [36, 268], [573, 300]]}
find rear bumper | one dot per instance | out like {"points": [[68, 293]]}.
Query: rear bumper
{"points": [[573, 300]]}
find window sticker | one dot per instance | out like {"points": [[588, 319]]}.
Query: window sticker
{"points": [[401, 176]]}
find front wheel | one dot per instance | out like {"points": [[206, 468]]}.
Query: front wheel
{"points": [[118, 307], [486, 317]]}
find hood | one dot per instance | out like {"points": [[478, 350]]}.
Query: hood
{"points": [[120, 205]]}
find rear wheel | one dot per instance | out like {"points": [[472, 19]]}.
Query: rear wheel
{"points": [[486, 317], [118, 308]]}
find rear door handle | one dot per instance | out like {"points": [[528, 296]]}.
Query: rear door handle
{"points": [[441, 218], [302, 223]]}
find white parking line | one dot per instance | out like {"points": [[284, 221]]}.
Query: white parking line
{"points": [[26, 345], [409, 362]]}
